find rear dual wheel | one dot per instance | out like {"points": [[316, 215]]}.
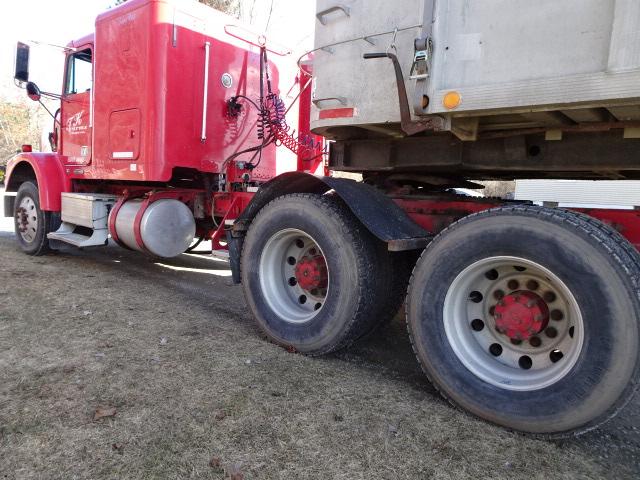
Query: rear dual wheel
{"points": [[315, 279], [528, 318]]}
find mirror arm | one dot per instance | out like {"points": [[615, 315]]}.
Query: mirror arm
{"points": [[55, 120], [52, 96]]}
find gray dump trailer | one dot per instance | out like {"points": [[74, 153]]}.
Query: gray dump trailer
{"points": [[501, 88]]}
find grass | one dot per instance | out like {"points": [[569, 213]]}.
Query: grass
{"points": [[84, 330]]}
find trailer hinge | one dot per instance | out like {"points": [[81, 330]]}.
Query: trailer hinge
{"points": [[422, 48]]}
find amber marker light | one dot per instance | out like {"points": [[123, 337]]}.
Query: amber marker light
{"points": [[452, 100]]}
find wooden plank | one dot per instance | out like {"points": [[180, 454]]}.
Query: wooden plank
{"points": [[548, 119], [586, 115], [626, 113]]}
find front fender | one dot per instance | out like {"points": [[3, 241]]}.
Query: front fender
{"points": [[46, 169]]}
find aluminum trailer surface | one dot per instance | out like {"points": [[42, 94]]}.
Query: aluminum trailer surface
{"points": [[482, 70], [502, 56]]}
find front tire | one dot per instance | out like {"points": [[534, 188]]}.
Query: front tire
{"points": [[31, 223], [315, 279], [528, 318]]}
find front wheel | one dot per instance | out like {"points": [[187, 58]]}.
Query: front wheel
{"points": [[528, 318], [31, 223], [315, 279]]}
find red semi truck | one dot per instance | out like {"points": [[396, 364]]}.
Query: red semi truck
{"points": [[170, 129]]}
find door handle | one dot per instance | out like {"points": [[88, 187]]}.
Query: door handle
{"points": [[340, 100], [322, 15]]}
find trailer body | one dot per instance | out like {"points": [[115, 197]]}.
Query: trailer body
{"points": [[511, 76]]}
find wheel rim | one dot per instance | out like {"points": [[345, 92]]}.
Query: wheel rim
{"points": [[294, 276], [513, 323], [27, 219]]}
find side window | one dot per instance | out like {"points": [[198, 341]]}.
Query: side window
{"points": [[79, 72]]}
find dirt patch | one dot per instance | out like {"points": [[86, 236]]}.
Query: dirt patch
{"points": [[197, 393]]}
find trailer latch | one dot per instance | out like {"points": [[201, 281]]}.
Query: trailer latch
{"points": [[408, 126], [421, 56]]}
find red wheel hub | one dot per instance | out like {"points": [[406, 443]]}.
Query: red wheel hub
{"points": [[521, 315], [311, 272], [23, 219]]}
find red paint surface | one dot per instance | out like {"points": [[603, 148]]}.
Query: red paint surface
{"points": [[336, 113], [311, 272], [436, 214], [50, 175], [521, 315]]}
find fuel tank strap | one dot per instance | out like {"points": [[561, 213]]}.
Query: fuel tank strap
{"points": [[112, 221]]}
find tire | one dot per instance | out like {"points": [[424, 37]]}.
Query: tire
{"points": [[578, 294], [31, 223], [401, 265], [349, 274]]}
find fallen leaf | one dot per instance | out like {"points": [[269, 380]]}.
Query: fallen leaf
{"points": [[118, 447], [215, 462], [220, 415], [102, 412], [87, 312], [235, 473]]}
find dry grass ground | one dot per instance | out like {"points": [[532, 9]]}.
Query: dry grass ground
{"points": [[173, 349]]}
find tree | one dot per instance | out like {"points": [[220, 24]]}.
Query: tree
{"points": [[18, 126], [227, 6]]}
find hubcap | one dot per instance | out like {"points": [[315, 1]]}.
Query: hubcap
{"points": [[521, 315], [311, 273], [27, 219], [513, 323], [294, 275]]}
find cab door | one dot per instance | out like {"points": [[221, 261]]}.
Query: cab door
{"points": [[77, 111]]}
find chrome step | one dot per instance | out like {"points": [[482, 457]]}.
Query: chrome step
{"points": [[66, 233], [87, 210]]}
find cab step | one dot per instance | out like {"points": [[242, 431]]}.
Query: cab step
{"points": [[85, 219]]}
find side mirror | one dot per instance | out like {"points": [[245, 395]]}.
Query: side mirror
{"points": [[33, 92], [22, 62]]}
